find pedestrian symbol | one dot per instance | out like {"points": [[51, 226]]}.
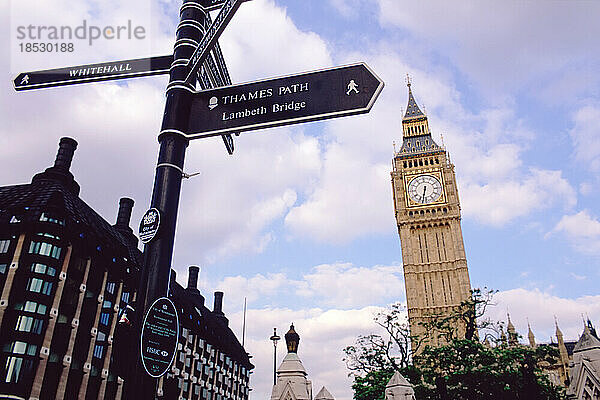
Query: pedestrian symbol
{"points": [[25, 80], [352, 87]]}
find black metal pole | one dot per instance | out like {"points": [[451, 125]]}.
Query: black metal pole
{"points": [[167, 183], [275, 338]]}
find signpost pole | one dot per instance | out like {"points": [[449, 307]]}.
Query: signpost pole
{"points": [[167, 185]]}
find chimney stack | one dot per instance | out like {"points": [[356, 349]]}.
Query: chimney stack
{"points": [[66, 149], [193, 272], [218, 307], [124, 215], [59, 172]]}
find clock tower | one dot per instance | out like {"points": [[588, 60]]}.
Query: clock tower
{"points": [[428, 217]]}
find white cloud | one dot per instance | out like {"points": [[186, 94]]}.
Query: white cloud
{"points": [[582, 230], [344, 285], [586, 136], [515, 43], [262, 41], [501, 201]]}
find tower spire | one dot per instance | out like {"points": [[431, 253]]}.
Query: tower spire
{"points": [[530, 335], [412, 109]]}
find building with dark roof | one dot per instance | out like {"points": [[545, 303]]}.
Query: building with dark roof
{"points": [[66, 278]]}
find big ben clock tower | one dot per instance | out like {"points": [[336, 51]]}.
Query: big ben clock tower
{"points": [[428, 217]]}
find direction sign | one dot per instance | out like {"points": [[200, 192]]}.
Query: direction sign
{"points": [[93, 73], [309, 96], [210, 37], [212, 4], [158, 343]]}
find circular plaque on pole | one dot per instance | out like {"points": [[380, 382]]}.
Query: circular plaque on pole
{"points": [[160, 331], [149, 225]]}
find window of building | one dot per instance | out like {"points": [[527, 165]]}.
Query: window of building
{"points": [[16, 367], [50, 235], [101, 337], [45, 217], [110, 287], [98, 350], [39, 286], [107, 304], [45, 249], [18, 347], [43, 269], [3, 268], [29, 324], [4, 245], [31, 306], [104, 318], [125, 297]]}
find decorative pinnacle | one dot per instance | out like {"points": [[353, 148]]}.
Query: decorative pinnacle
{"points": [[408, 81]]}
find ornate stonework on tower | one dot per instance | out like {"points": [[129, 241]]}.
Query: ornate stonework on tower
{"points": [[428, 217]]}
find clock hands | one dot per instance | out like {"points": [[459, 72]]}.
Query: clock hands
{"points": [[424, 189]]}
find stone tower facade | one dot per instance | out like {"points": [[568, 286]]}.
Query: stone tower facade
{"points": [[427, 211]]}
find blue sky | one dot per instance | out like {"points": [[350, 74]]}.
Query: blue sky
{"points": [[300, 219]]}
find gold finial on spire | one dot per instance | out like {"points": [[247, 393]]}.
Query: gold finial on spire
{"points": [[408, 82], [394, 143]]}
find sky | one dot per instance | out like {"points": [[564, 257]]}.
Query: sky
{"points": [[300, 219]]}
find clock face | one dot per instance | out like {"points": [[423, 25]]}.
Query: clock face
{"points": [[424, 189]]}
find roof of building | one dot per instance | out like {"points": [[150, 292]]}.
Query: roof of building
{"points": [[324, 394], [588, 340], [412, 109], [56, 191], [208, 325], [398, 380]]}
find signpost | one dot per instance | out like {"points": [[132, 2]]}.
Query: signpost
{"points": [[189, 114], [309, 96], [93, 73], [158, 341]]}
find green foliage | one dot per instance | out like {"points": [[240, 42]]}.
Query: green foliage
{"points": [[466, 369], [372, 385]]}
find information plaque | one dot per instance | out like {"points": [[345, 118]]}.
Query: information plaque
{"points": [[160, 331]]}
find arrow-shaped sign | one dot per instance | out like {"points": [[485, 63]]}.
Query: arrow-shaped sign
{"points": [[93, 73], [213, 4], [210, 37], [308, 96]]}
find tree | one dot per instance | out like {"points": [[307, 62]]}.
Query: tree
{"points": [[467, 369], [462, 369], [377, 353]]}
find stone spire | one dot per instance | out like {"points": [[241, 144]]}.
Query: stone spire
{"points": [[291, 374], [562, 349], [512, 333], [415, 129], [398, 388], [324, 394], [531, 336], [412, 109], [503, 336]]}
